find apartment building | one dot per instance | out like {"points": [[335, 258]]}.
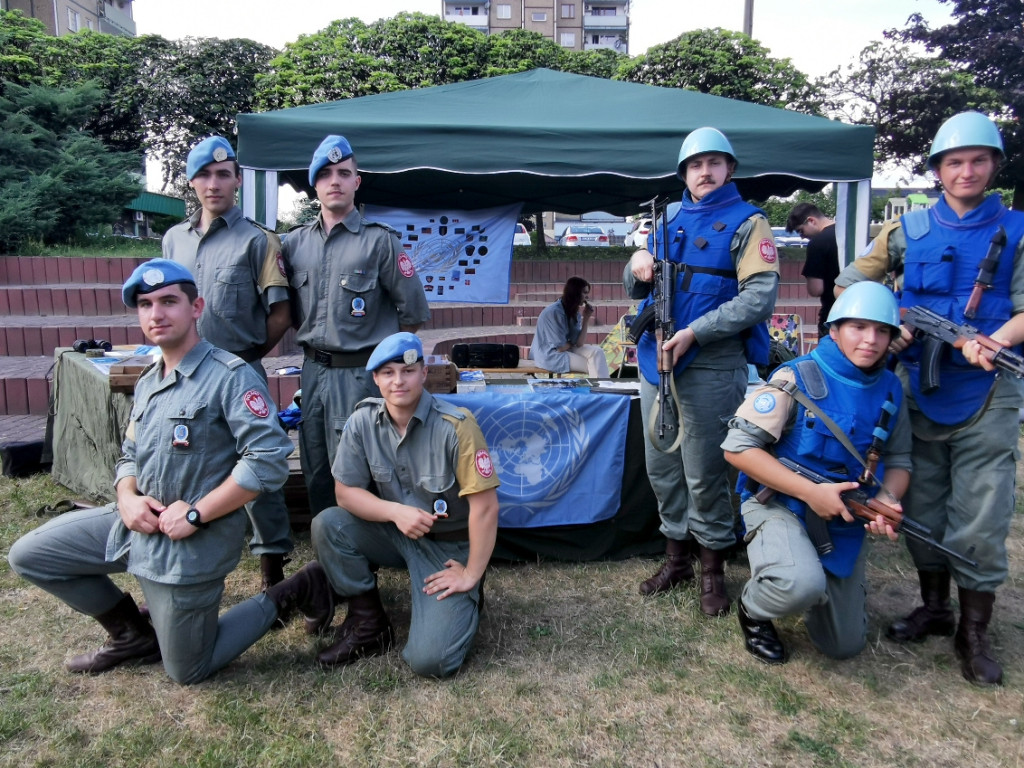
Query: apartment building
{"points": [[573, 24], [62, 17]]}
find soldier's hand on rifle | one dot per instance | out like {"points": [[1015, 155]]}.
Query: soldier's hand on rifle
{"points": [[881, 527], [973, 352], [825, 501], [641, 264], [901, 342], [679, 344]]}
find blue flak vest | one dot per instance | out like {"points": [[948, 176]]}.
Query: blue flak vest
{"points": [[853, 399], [940, 266], [699, 236]]}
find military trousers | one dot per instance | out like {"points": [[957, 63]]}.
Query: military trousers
{"points": [[786, 577], [441, 631], [66, 557], [692, 483]]}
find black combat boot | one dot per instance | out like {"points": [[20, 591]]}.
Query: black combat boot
{"points": [[272, 569], [131, 639], [677, 568], [977, 663], [760, 638], [935, 617]]}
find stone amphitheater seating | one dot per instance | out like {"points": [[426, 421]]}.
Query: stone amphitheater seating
{"points": [[50, 302]]}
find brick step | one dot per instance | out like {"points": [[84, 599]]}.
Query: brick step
{"points": [[93, 300], [549, 292], [26, 383], [473, 315], [34, 335]]}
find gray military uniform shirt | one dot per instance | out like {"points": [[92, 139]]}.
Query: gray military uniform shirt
{"points": [[209, 418]]}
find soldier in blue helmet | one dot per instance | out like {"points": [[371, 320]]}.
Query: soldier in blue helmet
{"points": [[201, 442], [845, 378], [966, 430], [725, 290], [354, 286], [241, 276], [431, 509]]}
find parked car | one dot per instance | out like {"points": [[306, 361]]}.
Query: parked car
{"points": [[521, 237], [584, 234], [637, 236], [786, 239]]}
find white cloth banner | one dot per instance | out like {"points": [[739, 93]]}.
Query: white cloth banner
{"points": [[461, 256]]}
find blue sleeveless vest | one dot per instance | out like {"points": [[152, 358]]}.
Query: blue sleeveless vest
{"points": [[853, 399], [940, 265], [699, 236]]}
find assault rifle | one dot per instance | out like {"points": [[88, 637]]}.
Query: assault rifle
{"points": [[932, 330], [659, 315], [863, 506]]}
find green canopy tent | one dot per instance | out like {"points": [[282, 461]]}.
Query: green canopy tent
{"points": [[553, 141]]}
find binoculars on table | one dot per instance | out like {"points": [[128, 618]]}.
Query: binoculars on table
{"points": [[84, 345]]}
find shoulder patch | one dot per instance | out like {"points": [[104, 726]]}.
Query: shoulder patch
{"points": [[482, 461], [405, 265], [769, 254], [257, 403], [764, 403]]}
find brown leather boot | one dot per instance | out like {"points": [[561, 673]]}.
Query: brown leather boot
{"points": [[272, 569], [308, 591], [714, 601], [131, 639], [365, 632], [677, 568], [935, 617], [977, 663]]}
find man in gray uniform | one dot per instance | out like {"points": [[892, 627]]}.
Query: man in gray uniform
{"points": [[433, 511], [354, 286], [202, 441], [240, 274]]}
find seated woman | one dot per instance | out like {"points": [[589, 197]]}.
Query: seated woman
{"points": [[559, 329]]}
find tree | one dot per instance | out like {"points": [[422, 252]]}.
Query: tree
{"points": [[728, 64], [987, 40], [349, 59], [519, 50], [777, 209], [56, 181], [905, 97]]}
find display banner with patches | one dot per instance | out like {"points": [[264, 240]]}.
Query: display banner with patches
{"points": [[559, 455], [460, 256]]}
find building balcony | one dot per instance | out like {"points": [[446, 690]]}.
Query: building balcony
{"points": [[476, 22], [115, 21], [591, 21]]}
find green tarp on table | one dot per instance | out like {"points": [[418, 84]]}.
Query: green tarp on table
{"points": [[552, 140]]}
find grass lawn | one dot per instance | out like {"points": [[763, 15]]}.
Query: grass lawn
{"points": [[572, 667]]}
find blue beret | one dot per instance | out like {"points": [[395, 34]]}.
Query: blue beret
{"points": [[332, 149], [215, 149], [153, 275], [404, 346]]}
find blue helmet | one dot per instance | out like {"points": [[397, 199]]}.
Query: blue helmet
{"points": [[866, 300], [967, 129], [702, 141]]}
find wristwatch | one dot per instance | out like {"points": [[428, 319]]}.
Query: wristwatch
{"points": [[195, 518]]}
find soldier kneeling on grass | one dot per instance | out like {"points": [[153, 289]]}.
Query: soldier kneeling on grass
{"points": [[202, 441], [844, 379], [432, 510]]}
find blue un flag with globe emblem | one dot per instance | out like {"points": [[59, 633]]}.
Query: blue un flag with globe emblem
{"points": [[559, 455]]}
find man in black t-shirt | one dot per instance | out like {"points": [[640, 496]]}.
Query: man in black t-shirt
{"points": [[822, 265]]}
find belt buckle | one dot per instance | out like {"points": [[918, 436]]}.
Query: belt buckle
{"points": [[324, 358]]}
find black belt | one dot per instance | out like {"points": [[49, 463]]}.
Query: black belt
{"points": [[338, 359], [462, 535]]}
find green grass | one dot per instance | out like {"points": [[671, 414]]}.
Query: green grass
{"points": [[571, 667], [102, 246]]}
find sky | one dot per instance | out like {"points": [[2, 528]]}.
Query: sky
{"points": [[817, 35]]}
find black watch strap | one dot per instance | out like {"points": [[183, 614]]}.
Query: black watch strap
{"points": [[193, 517]]}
